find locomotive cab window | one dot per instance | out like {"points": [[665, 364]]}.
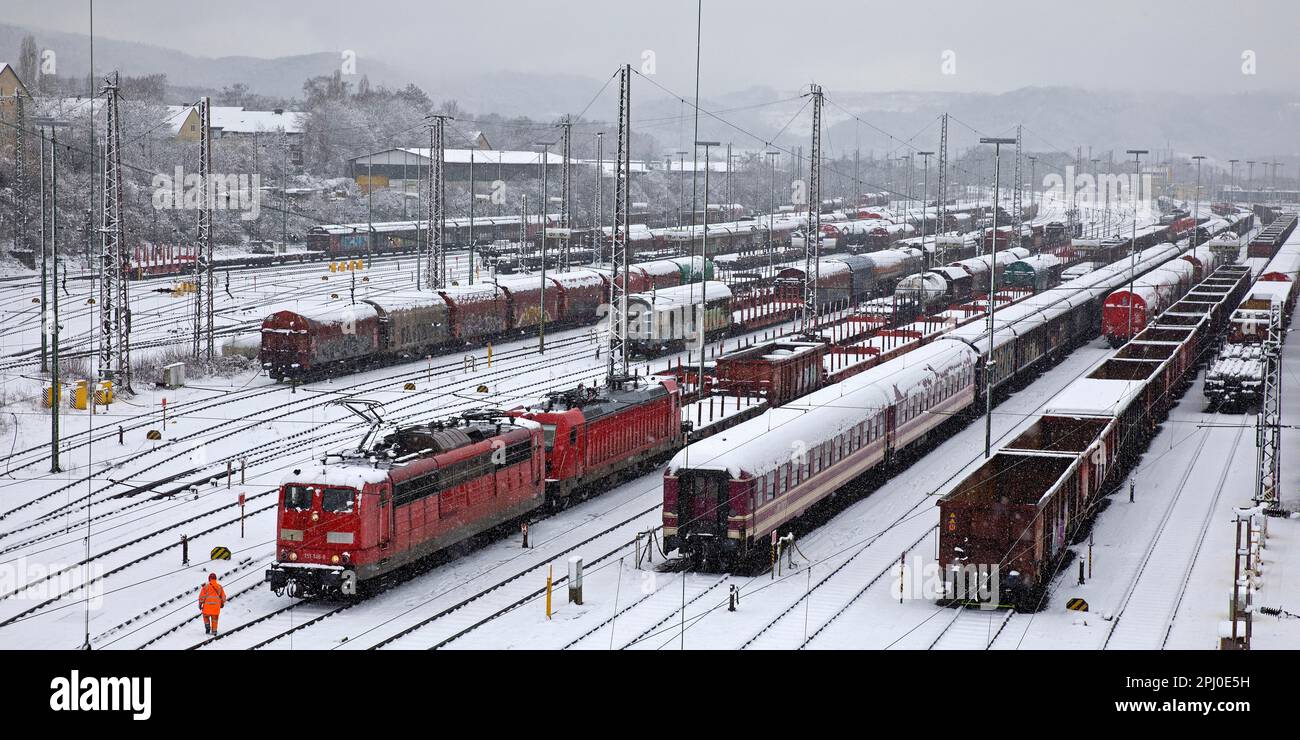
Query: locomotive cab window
{"points": [[297, 497], [338, 500]]}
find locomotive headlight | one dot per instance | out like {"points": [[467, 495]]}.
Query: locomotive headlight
{"points": [[335, 560], [293, 556], [315, 516]]}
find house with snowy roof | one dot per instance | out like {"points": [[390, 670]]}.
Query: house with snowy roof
{"points": [[237, 121]]}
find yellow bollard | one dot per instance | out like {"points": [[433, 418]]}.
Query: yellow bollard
{"points": [[550, 571], [104, 394], [489, 354], [79, 393], [52, 395], [334, 267]]}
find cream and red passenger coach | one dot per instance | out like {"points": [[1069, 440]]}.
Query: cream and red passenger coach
{"points": [[723, 495]]}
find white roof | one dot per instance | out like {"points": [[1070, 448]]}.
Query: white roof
{"points": [[239, 120], [889, 259], [382, 227], [402, 300], [763, 443], [577, 278], [952, 272], [1274, 291], [351, 475], [684, 295], [471, 293], [1094, 397], [1287, 260], [339, 312], [485, 157], [1082, 268], [1039, 261], [659, 267]]}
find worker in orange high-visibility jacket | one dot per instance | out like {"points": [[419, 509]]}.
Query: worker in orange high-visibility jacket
{"points": [[211, 598]]}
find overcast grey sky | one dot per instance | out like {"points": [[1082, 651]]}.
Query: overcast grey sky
{"points": [[847, 45]]}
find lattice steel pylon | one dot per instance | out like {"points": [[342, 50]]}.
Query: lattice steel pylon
{"points": [[616, 365], [114, 306], [204, 279], [812, 242], [566, 193], [598, 236], [1017, 198], [436, 272], [1268, 423], [21, 175], [941, 188]]}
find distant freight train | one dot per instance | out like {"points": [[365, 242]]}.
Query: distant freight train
{"points": [[396, 326], [297, 344]]}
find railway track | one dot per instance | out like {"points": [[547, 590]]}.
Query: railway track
{"points": [[283, 411], [973, 629], [795, 626], [158, 321], [647, 625], [1150, 602], [130, 560], [459, 608], [181, 410], [453, 621]]}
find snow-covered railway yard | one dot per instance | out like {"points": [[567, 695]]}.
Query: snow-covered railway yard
{"points": [[1159, 566]]}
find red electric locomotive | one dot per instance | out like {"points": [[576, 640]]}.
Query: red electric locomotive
{"points": [[594, 433], [402, 495]]}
